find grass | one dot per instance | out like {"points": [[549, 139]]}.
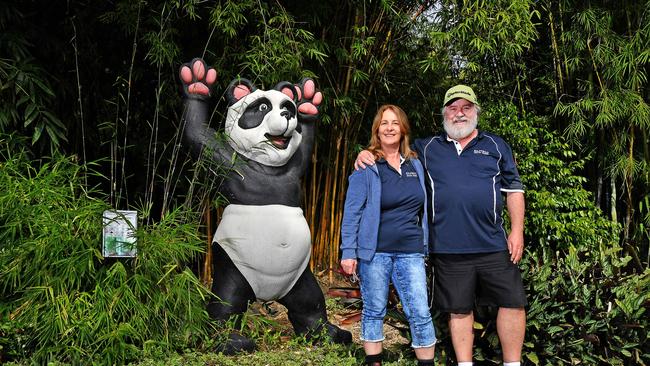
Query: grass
{"points": [[282, 352], [291, 353], [277, 345]]}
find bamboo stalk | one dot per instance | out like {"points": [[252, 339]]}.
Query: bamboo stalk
{"points": [[322, 222], [559, 86], [310, 192], [206, 277], [329, 190], [334, 228]]}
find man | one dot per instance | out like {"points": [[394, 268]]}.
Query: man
{"points": [[473, 258]]}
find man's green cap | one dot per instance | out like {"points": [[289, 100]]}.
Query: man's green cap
{"points": [[460, 91]]}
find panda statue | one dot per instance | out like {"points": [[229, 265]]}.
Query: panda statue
{"points": [[262, 245]]}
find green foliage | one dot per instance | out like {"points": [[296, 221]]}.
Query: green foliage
{"points": [[582, 294], [61, 300], [27, 98], [264, 42], [607, 57], [560, 212], [482, 41]]}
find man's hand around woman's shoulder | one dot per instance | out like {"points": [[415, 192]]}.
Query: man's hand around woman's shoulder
{"points": [[363, 160]]}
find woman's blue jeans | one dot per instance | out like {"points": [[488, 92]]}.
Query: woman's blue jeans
{"points": [[408, 275]]}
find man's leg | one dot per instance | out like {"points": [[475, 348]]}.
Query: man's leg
{"points": [[455, 286], [501, 286], [461, 327], [511, 327]]}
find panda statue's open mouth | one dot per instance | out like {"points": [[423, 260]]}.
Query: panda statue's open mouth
{"points": [[280, 142]]}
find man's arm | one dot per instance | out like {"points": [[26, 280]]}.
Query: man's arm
{"points": [[365, 158], [516, 209]]}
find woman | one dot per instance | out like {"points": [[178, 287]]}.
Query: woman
{"points": [[384, 236]]}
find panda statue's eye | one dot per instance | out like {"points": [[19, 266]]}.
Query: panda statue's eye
{"points": [[263, 107]]}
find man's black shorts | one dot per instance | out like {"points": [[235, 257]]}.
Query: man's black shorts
{"points": [[490, 278]]}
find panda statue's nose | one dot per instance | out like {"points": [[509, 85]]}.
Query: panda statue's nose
{"points": [[286, 114]]}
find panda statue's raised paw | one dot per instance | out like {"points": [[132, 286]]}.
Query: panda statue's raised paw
{"points": [[262, 245]]}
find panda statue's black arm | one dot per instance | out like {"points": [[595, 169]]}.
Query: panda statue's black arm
{"points": [[199, 137], [308, 126]]}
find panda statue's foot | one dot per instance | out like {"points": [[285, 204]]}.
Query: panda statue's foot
{"points": [[235, 344], [338, 335], [330, 333]]}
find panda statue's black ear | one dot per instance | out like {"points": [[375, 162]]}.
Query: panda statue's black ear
{"points": [[288, 89], [237, 89]]}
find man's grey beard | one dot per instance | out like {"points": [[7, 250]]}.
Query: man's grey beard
{"points": [[461, 131]]}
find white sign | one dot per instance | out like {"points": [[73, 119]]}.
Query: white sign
{"points": [[119, 233]]}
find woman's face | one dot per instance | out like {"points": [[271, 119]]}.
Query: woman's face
{"points": [[389, 129]]}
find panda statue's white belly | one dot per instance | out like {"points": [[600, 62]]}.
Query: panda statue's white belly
{"points": [[270, 245]]}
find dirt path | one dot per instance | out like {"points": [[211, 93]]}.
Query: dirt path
{"points": [[337, 315]]}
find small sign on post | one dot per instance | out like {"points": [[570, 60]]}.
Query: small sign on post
{"points": [[119, 233]]}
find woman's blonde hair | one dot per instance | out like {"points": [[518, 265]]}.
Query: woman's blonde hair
{"points": [[405, 130]]}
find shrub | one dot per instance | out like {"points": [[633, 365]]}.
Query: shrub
{"points": [[60, 299]]}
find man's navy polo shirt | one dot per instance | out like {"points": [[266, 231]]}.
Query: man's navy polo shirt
{"points": [[402, 199], [465, 191]]}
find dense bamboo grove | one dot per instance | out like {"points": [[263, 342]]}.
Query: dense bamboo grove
{"points": [[566, 82], [109, 90]]}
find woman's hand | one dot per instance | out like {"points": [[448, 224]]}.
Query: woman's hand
{"points": [[349, 266]]}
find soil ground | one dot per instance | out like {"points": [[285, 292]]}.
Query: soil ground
{"points": [[338, 315]]}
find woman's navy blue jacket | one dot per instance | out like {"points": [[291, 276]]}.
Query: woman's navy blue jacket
{"points": [[360, 225]]}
